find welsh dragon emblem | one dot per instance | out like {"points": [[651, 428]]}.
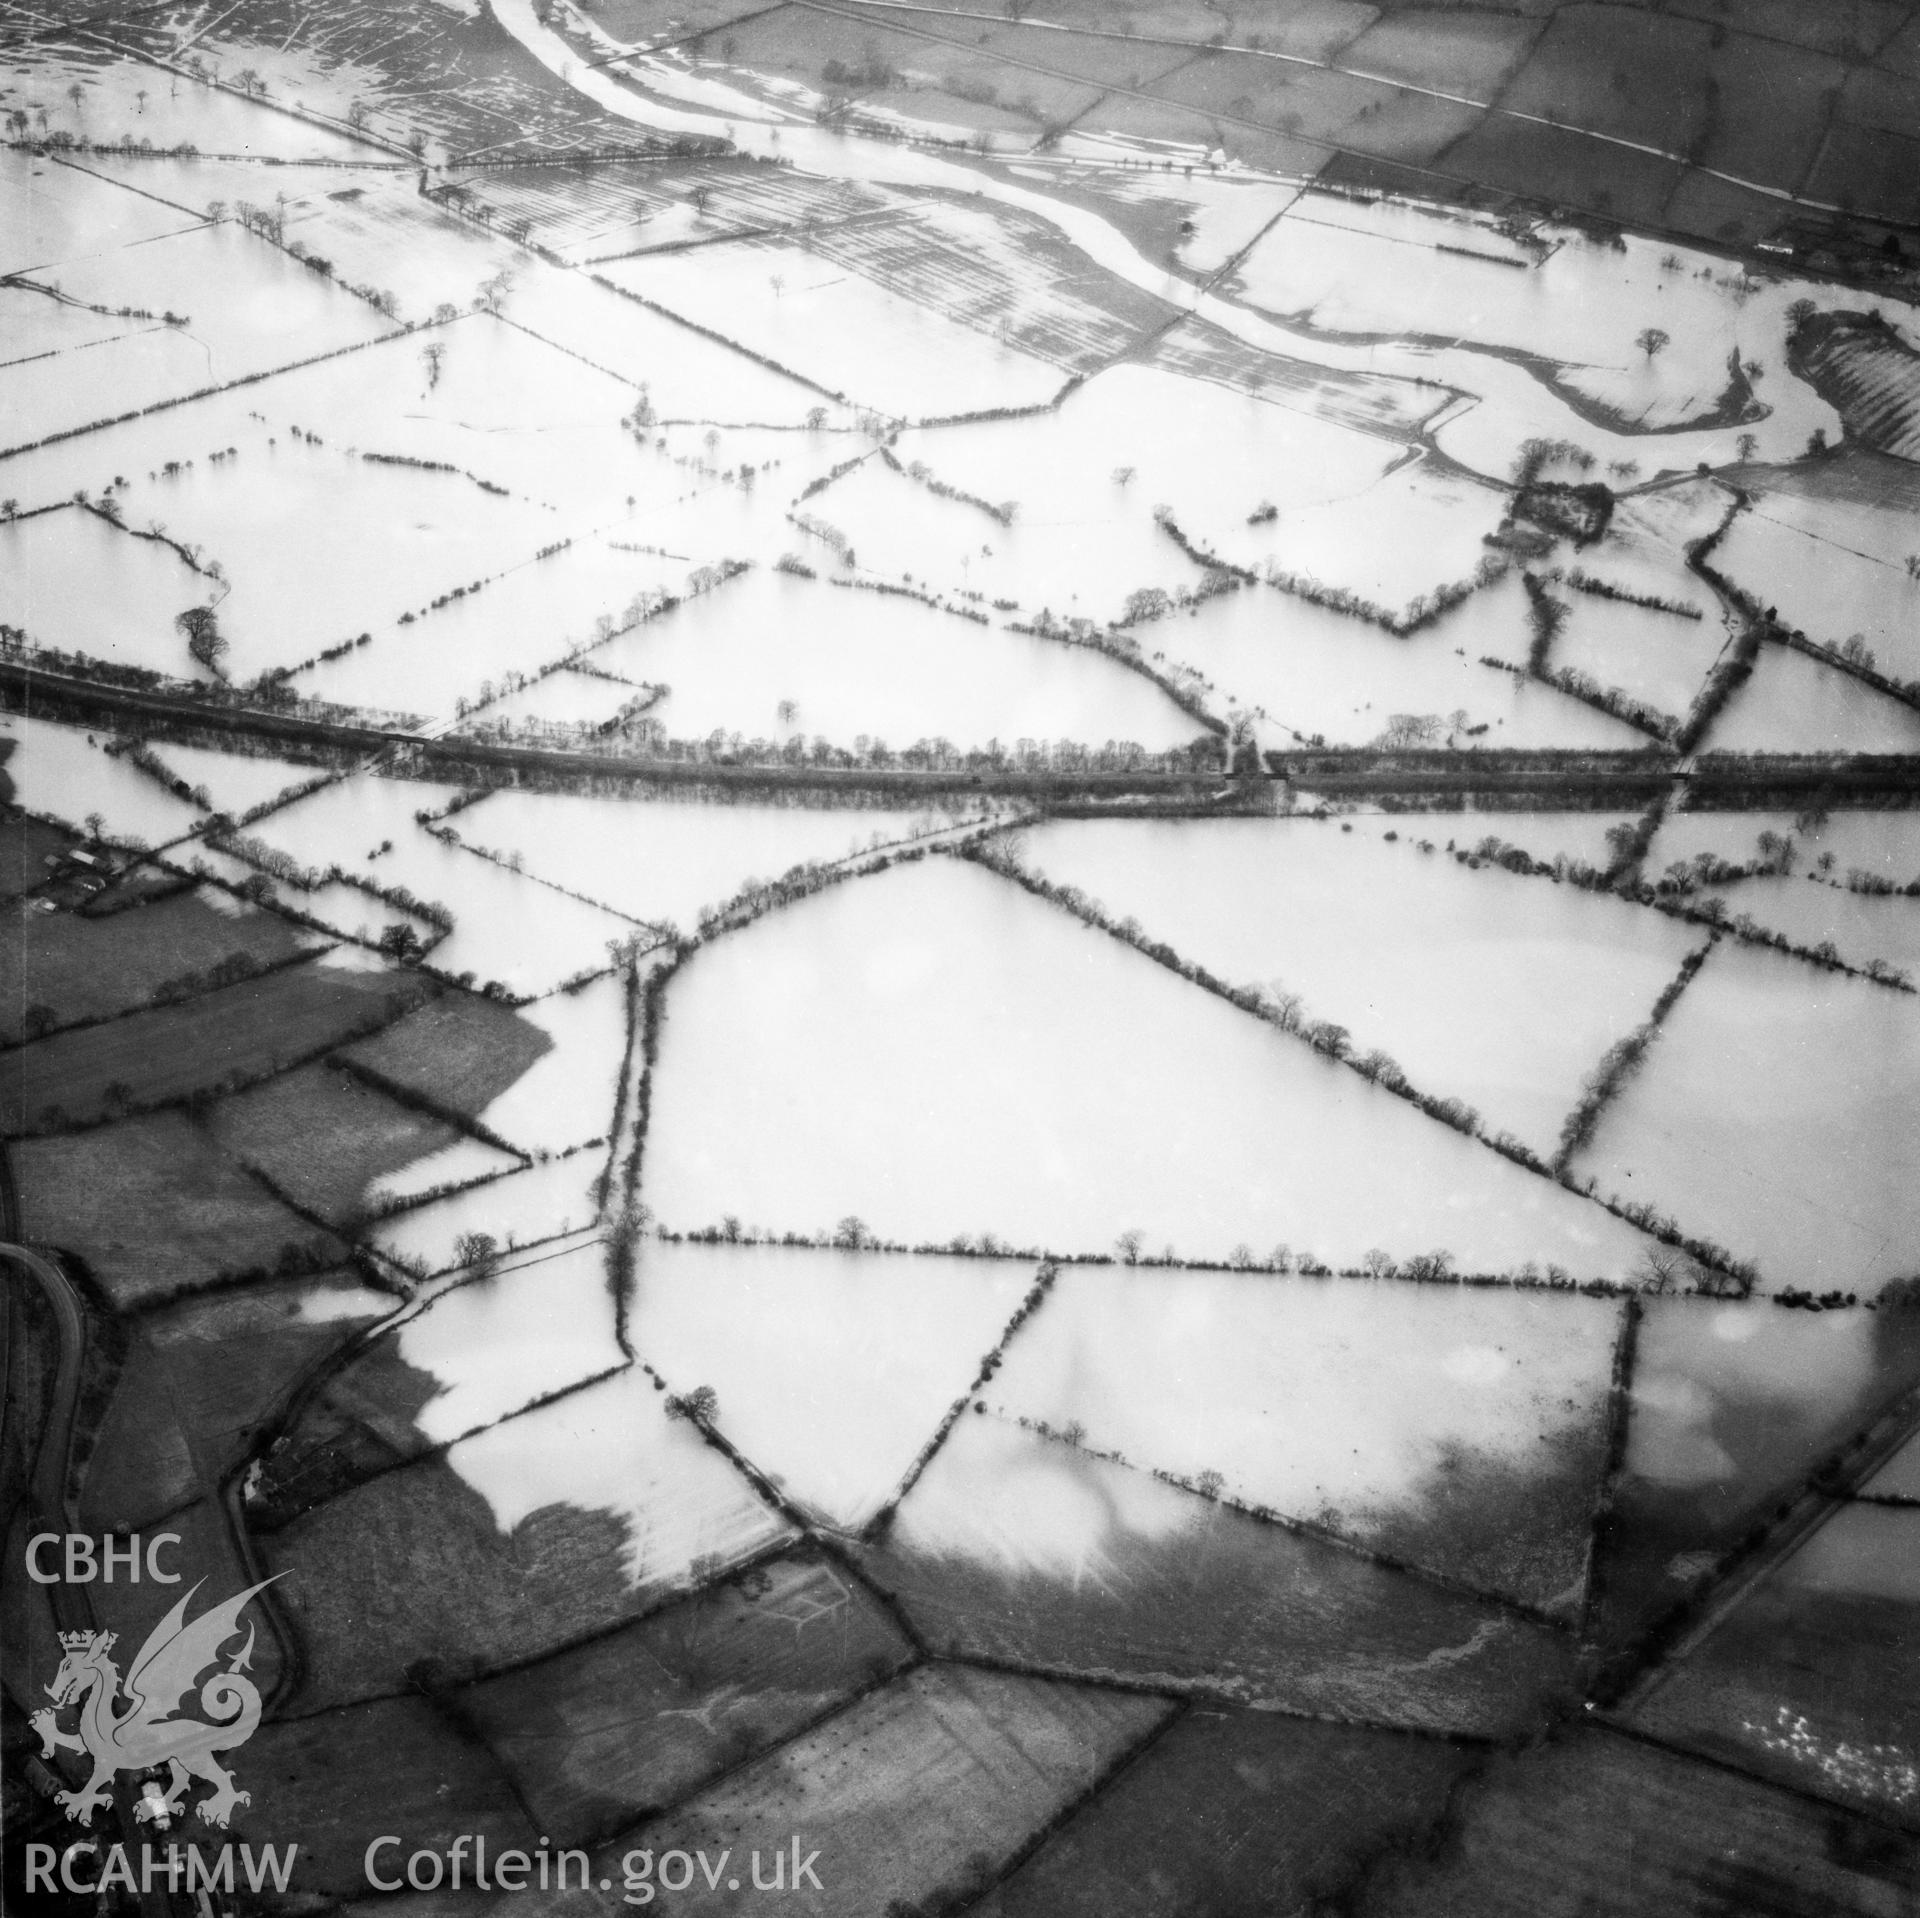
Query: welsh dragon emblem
{"points": [[151, 1730]]}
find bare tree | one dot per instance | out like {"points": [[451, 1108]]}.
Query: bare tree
{"points": [[205, 641]]}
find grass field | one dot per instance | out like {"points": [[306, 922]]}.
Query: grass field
{"points": [[460, 1052], [1733, 1410], [309, 1775], [199, 1378], [85, 968], [918, 1791], [154, 1210], [1232, 1812], [328, 1140], [1022, 1549], [1597, 1826], [224, 1038], [588, 1513], [25, 845], [1463, 1433], [1807, 1679], [603, 1735]]}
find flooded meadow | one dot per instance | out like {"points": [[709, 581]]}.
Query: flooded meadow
{"points": [[907, 913]]}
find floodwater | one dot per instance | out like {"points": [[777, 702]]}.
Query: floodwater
{"points": [[1326, 1398], [506, 926], [1512, 405], [543, 1322], [1486, 986], [1311, 672], [544, 1202], [662, 859], [853, 663], [1025, 1076], [1763, 1062], [613, 1448], [832, 1369], [76, 584], [1834, 569], [65, 773]]}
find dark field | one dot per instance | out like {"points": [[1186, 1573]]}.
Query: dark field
{"points": [[154, 1211], [24, 846], [459, 1054], [916, 1795], [1240, 1609], [412, 1566], [308, 1777], [1809, 1678], [600, 1736], [220, 1040], [73, 967], [197, 1381], [324, 1137], [1237, 1815], [1669, 1527], [1600, 1826]]}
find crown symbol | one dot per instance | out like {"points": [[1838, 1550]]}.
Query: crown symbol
{"points": [[83, 1641]]}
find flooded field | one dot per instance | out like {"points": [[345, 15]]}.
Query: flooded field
{"points": [[1482, 985], [792, 1340], [850, 663], [1344, 1403], [1271, 1151], [1704, 1124], [663, 860], [975, 942]]}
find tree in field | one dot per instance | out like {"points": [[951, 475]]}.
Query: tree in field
{"points": [[431, 357], [492, 293], [478, 1252], [1128, 1245], [1145, 603], [1652, 340], [1749, 445], [1661, 1268], [701, 1405], [400, 941], [204, 639]]}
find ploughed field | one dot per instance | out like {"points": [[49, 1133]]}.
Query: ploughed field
{"points": [[773, 1271]]}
